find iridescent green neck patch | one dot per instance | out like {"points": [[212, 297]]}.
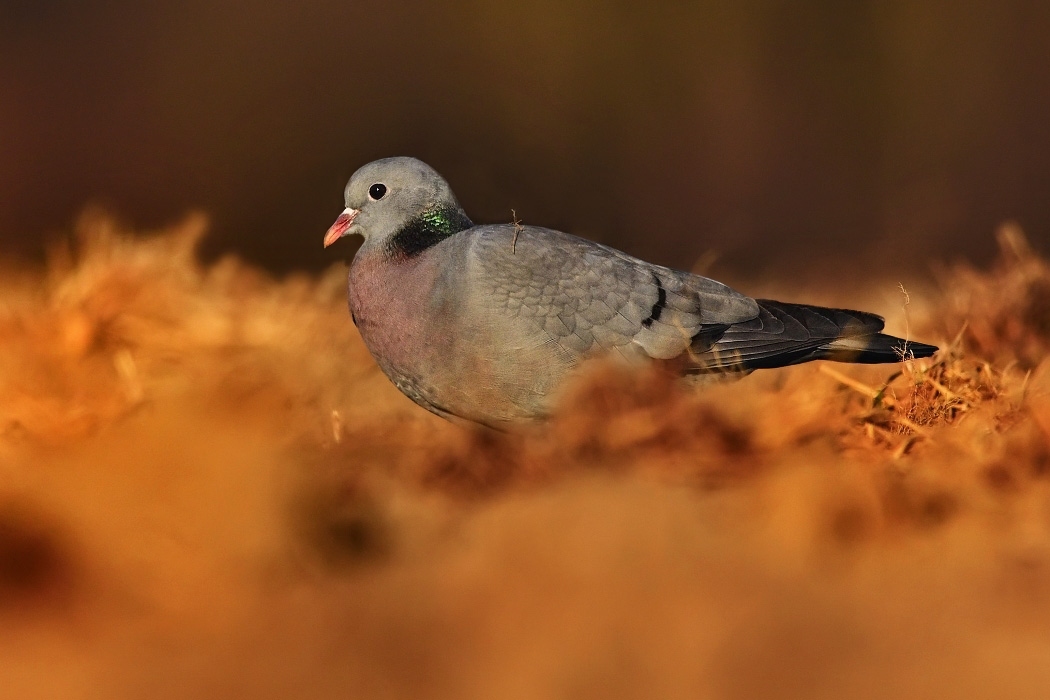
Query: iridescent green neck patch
{"points": [[426, 230]]}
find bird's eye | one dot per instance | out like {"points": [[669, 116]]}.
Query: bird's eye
{"points": [[377, 191]]}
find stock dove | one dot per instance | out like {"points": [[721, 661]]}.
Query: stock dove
{"points": [[485, 322]]}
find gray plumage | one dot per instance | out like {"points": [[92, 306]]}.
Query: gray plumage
{"points": [[485, 322]]}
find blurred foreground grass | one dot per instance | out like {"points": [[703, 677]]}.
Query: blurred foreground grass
{"points": [[207, 489]]}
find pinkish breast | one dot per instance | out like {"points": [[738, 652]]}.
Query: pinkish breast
{"points": [[391, 305], [432, 344]]}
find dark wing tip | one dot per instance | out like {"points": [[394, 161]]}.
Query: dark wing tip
{"points": [[917, 350]]}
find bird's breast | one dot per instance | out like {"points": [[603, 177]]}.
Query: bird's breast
{"points": [[388, 301], [443, 345]]}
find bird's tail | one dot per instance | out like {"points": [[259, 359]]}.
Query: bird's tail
{"points": [[874, 349], [788, 334]]}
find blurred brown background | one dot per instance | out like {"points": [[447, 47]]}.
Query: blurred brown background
{"points": [[774, 132]]}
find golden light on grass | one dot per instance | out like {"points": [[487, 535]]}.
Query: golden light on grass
{"points": [[208, 490]]}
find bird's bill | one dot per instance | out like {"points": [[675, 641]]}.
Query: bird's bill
{"points": [[341, 226]]}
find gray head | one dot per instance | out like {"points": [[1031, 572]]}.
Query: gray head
{"points": [[401, 204]]}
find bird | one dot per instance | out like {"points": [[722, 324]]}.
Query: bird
{"points": [[484, 323]]}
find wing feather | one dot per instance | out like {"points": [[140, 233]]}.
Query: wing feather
{"points": [[588, 298]]}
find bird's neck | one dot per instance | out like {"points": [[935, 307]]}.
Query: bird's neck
{"points": [[427, 230]]}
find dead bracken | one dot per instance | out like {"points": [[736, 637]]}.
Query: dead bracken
{"points": [[232, 499]]}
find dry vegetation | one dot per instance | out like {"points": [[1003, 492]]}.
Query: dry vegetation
{"points": [[208, 490]]}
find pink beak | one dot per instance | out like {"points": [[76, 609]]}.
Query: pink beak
{"points": [[341, 226]]}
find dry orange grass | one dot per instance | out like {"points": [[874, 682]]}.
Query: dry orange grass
{"points": [[208, 490]]}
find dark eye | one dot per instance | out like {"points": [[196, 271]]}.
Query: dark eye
{"points": [[377, 191]]}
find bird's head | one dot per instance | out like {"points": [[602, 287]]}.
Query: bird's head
{"points": [[401, 204]]}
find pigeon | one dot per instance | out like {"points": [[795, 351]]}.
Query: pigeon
{"points": [[484, 323]]}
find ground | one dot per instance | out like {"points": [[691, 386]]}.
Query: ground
{"points": [[207, 489]]}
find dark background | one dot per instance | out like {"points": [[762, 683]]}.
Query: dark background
{"points": [[772, 132]]}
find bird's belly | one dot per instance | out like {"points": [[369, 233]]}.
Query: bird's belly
{"points": [[448, 376]]}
